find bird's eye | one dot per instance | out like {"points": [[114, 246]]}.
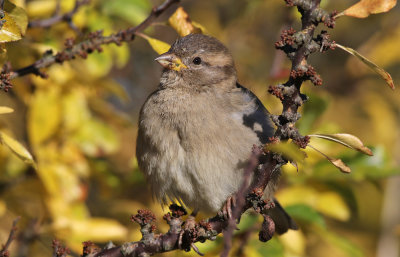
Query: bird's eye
{"points": [[197, 60]]}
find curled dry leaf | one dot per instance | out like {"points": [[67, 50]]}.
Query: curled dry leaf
{"points": [[181, 22], [5, 109], [337, 162], [340, 165], [348, 140], [18, 149], [364, 8], [385, 75]]}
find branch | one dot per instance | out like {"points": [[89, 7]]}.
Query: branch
{"points": [[94, 42], [57, 17], [4, 251], [297, 46]]}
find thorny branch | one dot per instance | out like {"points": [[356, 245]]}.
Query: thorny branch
{"points": [[4, 251], [262, 164], [94, 42]]}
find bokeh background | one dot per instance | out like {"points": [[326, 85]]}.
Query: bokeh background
{"points": [[80, 125]]}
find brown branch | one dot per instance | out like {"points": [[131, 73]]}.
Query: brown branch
{"points": [[94, 42], [240, 200], [57, 17], [4, 251]]}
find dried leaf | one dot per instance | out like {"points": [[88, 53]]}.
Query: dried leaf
{"points": [[18, 149], [288, 150], [5, 109], [385, 75], [348, 140], [159, 46], [181, 22], [364, 8], [337, 162], [340, 165]]}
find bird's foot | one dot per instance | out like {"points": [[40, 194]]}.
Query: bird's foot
{"points": [[226, 211], [190, 225]]}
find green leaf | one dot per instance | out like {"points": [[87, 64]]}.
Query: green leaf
{"points": [[348, 140], [381, 72], [17, 148], [134, 11], [342, 243], [247, 221], [306, 213], [5, 109], [96, 138], [311, 111]]}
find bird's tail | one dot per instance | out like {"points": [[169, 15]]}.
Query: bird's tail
{"points": [[283, 222]]}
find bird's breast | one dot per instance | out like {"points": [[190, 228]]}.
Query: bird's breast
{"points": [[199, 147]]}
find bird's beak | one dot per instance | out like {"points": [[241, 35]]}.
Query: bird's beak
{"points": [[171, 61]]}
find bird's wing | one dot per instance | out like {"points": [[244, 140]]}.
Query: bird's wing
{"points": [[258, 119]]}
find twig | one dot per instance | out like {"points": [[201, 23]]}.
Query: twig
{"points": [[4, 251], [94, 42], [57, 17], [240, 200]]}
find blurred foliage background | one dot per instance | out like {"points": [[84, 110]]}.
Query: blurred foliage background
{"points": [[80, 126]]}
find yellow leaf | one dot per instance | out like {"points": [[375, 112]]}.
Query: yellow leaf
{"points": [[159, 46], [181, 22], [44, 115], [3, 54], [288, 150], [75, 110], [290, 195], [5, 109], [385, 75], [294, 242], [17, 148], [364, 8], [97, 229], [18, 15], [3, 208], [40, 8], [348, 140], [9, 31], [332, 204]]}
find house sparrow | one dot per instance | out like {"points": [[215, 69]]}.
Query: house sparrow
{"points": [[197, 129]]}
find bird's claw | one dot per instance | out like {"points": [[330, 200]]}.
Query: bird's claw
{"points": [[190, 224], [226, 211]]}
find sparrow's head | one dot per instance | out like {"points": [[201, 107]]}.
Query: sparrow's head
{"points": [[197, 61]]}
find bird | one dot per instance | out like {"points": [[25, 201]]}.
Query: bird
{"points": [[197, 129]]}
